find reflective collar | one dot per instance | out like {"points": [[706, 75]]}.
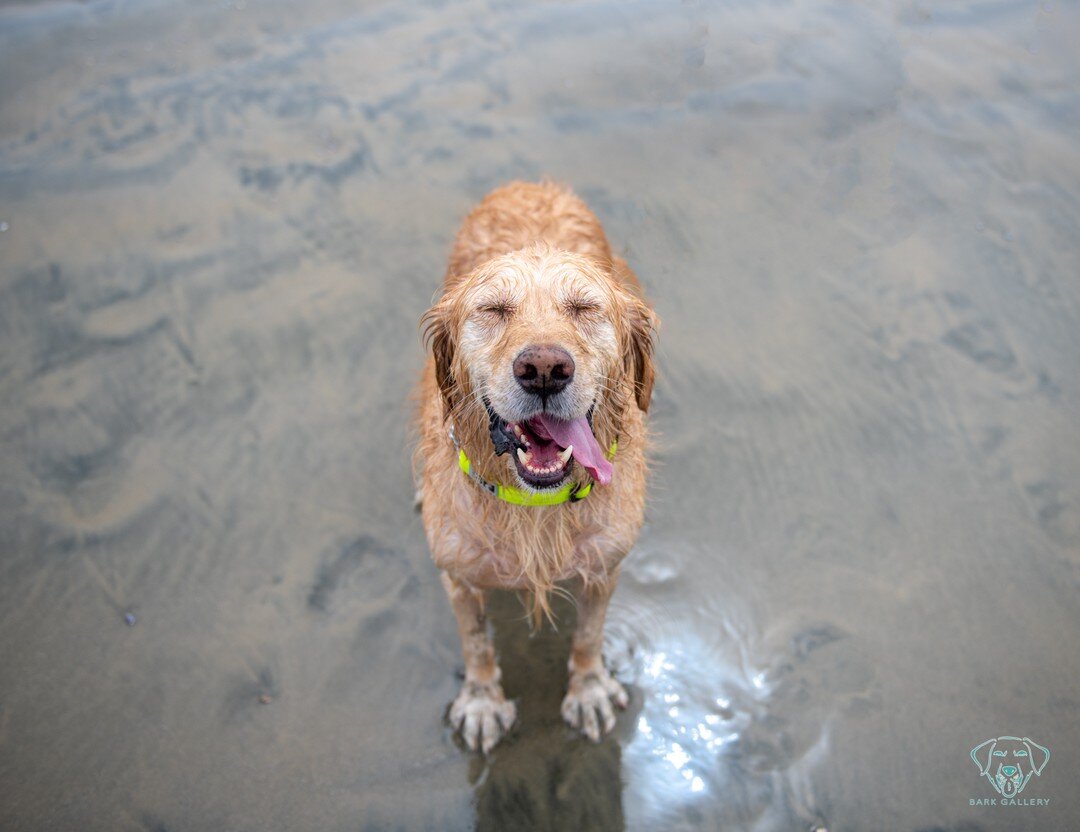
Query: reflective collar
{"points": [[572, 492]]}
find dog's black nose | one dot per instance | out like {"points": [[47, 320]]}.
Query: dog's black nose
{"points": [[544, 370]]}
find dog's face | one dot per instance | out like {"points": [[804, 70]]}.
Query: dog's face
{"points": [[1009, 762], [542, 344]]}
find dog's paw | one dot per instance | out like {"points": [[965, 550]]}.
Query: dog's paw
{"points": [[587, 705], [482, 714]]}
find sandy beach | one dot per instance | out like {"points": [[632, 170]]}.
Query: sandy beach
{"points": [[220, 223]]}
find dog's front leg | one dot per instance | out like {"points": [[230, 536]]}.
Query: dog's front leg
{"points": [[481, 711], [592, 689]]}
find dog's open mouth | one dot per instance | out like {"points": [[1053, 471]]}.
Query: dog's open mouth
{"points": [[544, 448]]}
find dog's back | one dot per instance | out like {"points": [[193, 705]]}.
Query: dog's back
{"points": [[520, 214]]}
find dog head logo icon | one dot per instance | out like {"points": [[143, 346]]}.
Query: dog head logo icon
{"points": [[1009, 762]]}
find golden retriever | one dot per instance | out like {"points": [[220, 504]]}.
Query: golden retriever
{"points": [[531, 459]]}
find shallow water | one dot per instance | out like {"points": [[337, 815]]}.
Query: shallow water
{"points": [[220, 224]]}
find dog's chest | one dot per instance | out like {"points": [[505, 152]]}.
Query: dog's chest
{"points": [[562, 547]]}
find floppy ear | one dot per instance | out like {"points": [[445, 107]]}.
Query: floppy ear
{"points": [[983, 754], [1039, 755], [437, 335], [638, 351]]}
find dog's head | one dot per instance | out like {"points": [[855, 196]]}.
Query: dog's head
{"points": [[1009, 762], [538, 353]]}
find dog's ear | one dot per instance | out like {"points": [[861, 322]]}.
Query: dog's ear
{"points": [[1038, 754], [983, 755], [638, 349], [439, 338]]}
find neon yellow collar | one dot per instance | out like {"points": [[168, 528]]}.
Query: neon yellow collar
{"points": [[572, 492]]}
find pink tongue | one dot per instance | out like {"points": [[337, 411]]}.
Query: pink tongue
{"points": [[587, 450]]}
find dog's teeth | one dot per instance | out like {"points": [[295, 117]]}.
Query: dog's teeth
{"points": [[526, 459], [517, 429]]}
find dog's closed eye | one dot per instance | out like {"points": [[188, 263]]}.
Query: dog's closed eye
{"points": [[583, 308], [499, 308], [577, 306]]}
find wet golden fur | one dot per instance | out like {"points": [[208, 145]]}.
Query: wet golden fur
{"points": [[531, 264]]}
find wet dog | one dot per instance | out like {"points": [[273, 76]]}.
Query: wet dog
{"points": [[531, 460]]}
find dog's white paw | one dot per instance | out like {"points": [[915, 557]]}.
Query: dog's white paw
{"points": [[587, 705], [482, 714]]}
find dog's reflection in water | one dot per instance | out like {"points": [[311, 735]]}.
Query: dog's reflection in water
{"points": [[544, 776]]}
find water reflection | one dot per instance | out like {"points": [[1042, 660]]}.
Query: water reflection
{"points": [[732, 718], [544, 776], [708, 726]]}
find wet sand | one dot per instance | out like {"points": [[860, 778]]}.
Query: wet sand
{"points": [[219, 225]]}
